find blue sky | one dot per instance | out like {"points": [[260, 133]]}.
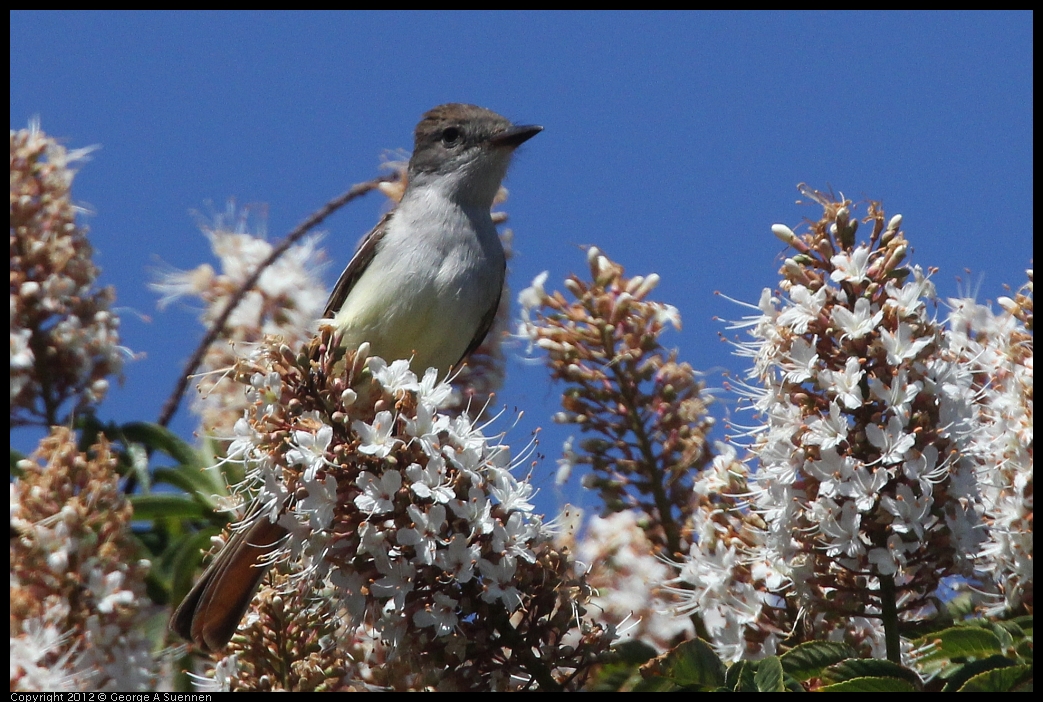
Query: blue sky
{"points": [[672, 141]]}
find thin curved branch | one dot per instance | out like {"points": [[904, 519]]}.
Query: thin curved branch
{"points": [[170, 407]]}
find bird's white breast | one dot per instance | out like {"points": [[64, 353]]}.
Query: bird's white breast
{"points": [[434, 275]]}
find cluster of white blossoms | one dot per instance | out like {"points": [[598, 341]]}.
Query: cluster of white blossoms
{"points": [[77, 592], [626, 570], [997, 350], [643, 418], [286, 300], [410, 513], [892, 452], [64, 334]]}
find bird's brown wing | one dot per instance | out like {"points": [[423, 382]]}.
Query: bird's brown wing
{"points": [[486, 324], [212, 610], [358, 264]]}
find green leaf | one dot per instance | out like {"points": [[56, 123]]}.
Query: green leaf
{"points": [[16, 456], [870, 685], [150, 507], [692, 663], [634, 652], [187, 555], [955, 644], [90, 427], [615, 677], [200, 484], [963, 673], [768, 677], [855, 668], [1003, 635], [621, 671], [1000, 680], [960, 606], [655, 685], [1012, 628], [747, 678], [733, 675], [808, 659], [159, 438], [1024, 623]]}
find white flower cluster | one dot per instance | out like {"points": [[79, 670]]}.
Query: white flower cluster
{"points": [[997, 349], [412, 514], [885, 439], [842, 479], [64, 335], [77, 598], [286, 300], [626, 572]]}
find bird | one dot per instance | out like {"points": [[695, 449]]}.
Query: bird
{"points": [[422, 286]]}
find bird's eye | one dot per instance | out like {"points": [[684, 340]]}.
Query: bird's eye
{"points": [[451, 136]]}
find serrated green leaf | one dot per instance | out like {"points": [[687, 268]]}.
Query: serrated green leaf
{"points": [[1002, 635], [733, 674], [960, 674], [154, 506], [655, 685], [809, 659], [768, 677], [692, 663], [1015, 631], [633, 652], [614, 677], [960, 606], [1025, 623], [854, 668], [958, 642], [621, 673], [747, 683], [999, 679], [870, 685]]}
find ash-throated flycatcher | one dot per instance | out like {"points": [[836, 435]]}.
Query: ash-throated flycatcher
{"points": [[424, 285]]}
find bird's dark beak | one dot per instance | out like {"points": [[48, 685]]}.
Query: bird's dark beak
{"points": [[515, 136]]}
